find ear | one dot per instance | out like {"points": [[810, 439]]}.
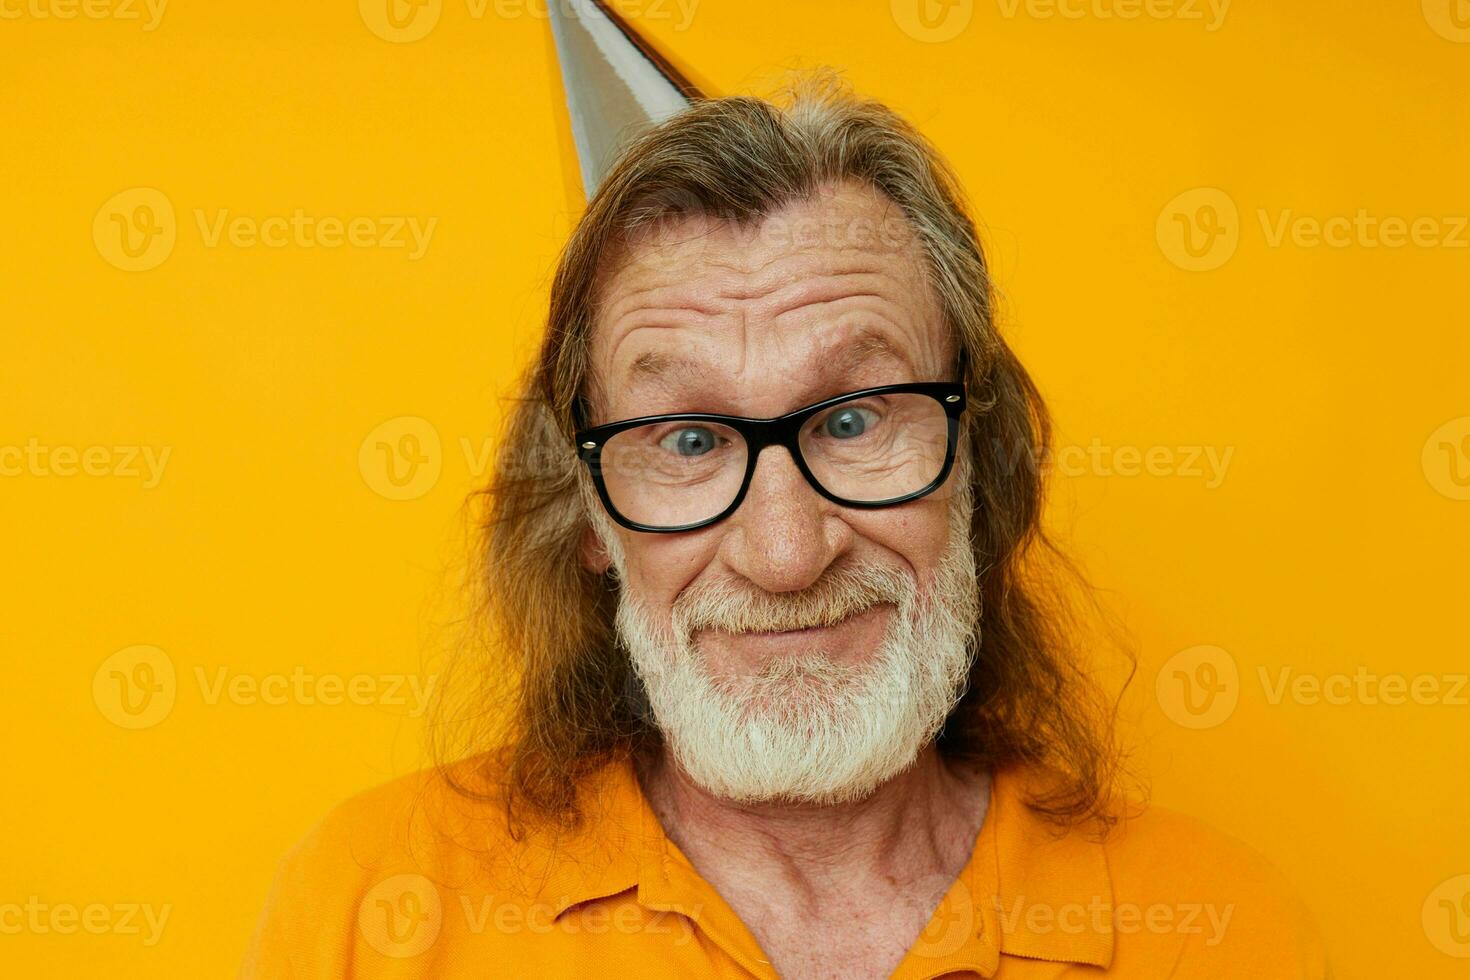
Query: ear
{"points": [[593, 555]]}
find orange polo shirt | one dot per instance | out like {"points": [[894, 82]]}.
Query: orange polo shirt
{"points": [[412, 880]]}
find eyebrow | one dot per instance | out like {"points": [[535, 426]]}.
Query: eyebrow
{"points": [[653, 366], [868, 345]]}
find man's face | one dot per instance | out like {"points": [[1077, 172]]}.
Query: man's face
{"points": [[822, 297]]}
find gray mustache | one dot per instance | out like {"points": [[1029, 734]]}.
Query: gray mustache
{"points": [[836, 596]]}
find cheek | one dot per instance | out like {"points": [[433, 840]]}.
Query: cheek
{"points": [[918, 533], [660, 566]]}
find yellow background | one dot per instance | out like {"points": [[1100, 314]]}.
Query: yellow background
{"points": [[1335, 540]]}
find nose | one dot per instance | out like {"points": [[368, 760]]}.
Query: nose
{"points": [[784, 534]]}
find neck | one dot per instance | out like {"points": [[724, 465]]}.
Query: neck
{"points": [[921, 823]]}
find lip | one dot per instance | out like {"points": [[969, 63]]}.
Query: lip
{"points": [[798, 632], [835, 637]]}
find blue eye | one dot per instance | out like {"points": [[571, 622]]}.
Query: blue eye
{"points": [[846, 423], [692, 441]]}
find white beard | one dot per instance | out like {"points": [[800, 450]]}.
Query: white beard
{"points": [[807, 728]]}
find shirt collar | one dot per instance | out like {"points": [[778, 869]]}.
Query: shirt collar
{"points": [[1029, 890], [1048, 892]]}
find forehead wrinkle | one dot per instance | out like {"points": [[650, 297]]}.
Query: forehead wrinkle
{"points": [[655, 298], [810, 299], [675, 373], [789, 277], [747, 285], [855, 360], [631, 302]]}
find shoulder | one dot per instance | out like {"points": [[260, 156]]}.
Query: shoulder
{"points": [[395, 848], [419, 819], [1211, 899]]}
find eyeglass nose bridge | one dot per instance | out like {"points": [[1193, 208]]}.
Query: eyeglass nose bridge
{"points": [[760, 434], [784, 431]]}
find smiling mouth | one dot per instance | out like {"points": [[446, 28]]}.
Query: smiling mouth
{"points": [[797, 632], [852, 620]]}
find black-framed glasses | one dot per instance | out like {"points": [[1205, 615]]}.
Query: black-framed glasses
{"points": [[875, 447]]}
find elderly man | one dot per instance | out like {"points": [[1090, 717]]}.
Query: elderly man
{"points": [[773, 687]]}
